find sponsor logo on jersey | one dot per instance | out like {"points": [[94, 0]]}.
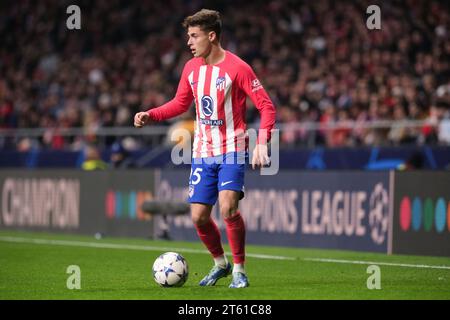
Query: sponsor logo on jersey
{"points": [[211, 122], [207, 106], [256, 85]]}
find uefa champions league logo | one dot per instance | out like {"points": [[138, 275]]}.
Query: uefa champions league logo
{"points": [[379, 213]]}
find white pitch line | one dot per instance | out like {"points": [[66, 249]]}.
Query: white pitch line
{"points": [[378, 263], [126, 247]]}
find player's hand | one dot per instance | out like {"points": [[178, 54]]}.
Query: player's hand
{"points": [[260, 156], [141, 119]]}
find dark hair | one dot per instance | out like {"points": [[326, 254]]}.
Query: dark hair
{"points": [[207, 20]]}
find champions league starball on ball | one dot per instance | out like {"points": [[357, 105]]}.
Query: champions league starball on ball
{"points": [[170, 270]]}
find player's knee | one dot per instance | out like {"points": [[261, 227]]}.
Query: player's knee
{"points": [[227, 210], [199, 219]]}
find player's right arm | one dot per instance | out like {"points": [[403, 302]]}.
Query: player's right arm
{"points": [[178, 105]]}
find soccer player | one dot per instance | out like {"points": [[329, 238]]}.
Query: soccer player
{"points": [[219, 82]]}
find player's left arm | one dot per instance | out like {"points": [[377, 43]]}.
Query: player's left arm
{"points": [[254, 89]]}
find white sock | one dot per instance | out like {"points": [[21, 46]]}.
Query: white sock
{"points": [[239, 267], [221, 261]]}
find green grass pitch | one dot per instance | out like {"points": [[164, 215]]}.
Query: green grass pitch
{"points": [[34, 266]]}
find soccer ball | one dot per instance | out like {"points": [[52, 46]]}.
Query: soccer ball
{"points": [[170, 270]]}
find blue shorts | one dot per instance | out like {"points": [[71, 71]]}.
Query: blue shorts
{"points": [[211, 175]]}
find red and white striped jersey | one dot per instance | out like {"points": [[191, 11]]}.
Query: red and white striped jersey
{"points": [[219, 92]]}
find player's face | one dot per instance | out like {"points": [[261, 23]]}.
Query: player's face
{"points": [[199, 42]]}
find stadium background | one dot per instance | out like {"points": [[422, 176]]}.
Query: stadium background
{"points": [[364, 121], [340, 89]]}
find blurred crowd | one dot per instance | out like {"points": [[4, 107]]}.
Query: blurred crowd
{"points": [[317, 59]]}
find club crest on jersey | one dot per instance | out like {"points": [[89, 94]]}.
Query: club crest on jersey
{"points": [[207, 105], [220, 83]]}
